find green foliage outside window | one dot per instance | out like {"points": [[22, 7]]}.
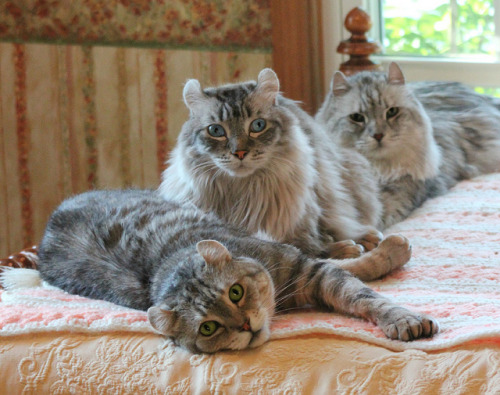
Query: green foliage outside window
{"points": [[488, 91], [433, 32]]}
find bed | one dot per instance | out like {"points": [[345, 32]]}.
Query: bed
{"points": [[53, 342]]}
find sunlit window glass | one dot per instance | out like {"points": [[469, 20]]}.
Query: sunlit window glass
{"points": [[451, 28]]}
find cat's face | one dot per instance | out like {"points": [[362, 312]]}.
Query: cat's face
{"points": [[233, 128], [376, 114], [225, 303]]}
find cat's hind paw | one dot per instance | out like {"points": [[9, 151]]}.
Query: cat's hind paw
{"points": [[411, 326], [397, 249]]}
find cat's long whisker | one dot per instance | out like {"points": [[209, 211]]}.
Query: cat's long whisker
{"points": [[287, 284], [204, 168], [287, 310], [297, 291]]}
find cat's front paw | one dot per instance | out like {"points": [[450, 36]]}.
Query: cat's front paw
{"points": [[345, 249], [408, 326], [371, 240]]}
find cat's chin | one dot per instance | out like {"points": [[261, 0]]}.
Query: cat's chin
{"points": [[391, 170], [419, 161], [244, 340], [259, 338], [384, 154], [376, 153], [240, 172]]}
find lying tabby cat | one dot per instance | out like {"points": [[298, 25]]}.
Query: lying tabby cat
{"points": [[421, 138], [208, 286]]}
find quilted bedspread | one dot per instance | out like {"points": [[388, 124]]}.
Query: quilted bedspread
{"points": [[49, 338]]}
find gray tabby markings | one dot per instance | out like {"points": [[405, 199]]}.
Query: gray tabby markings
{"points": [[207, 285]]}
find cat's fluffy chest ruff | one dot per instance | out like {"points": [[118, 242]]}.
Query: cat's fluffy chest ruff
{"points": [[282, 189]]}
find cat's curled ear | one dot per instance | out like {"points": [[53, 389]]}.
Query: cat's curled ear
{"points": [[268, 87], [395, 76], [213, 252], [339, 85], [162, 320], [194, 98]]}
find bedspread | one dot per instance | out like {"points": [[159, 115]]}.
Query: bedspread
{"points": [[52, 342]]}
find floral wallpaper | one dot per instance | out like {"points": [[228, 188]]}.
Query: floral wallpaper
{"points": [[102, 108], [160, 23]]}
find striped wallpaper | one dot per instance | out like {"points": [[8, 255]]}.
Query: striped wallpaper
{"points": [[73, 118]]}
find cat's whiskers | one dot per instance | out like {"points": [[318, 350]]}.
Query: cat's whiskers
{"points": [[207, 172], [213, 177], [290, 283], [270, 307], [279, 312], [199, 169]]}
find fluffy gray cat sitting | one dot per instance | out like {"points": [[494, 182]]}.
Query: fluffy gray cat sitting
{"points": [[421, 138], [207, 285], [261, 163]]}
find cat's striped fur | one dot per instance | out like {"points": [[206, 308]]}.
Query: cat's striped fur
{"points": [[440, 133], [138, 250], [286, 180]]}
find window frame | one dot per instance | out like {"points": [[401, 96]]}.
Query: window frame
{"points": [[473, 72]]}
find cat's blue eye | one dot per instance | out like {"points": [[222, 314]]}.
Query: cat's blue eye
{"points": [[391, 112], [216, 130], [236, 293], [208, 328], [357, 117], [258, 125]]}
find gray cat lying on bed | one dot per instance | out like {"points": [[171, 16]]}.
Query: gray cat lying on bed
{"points": [[205, 284], [421, 138]]}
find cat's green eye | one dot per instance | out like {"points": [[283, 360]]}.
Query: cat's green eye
{"points": [[357, 117], [236, 293], [208, 328], [391, 112], [258, 125], [216, 130]]}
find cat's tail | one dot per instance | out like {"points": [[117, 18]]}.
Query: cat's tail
{"points": [[16, 278]]}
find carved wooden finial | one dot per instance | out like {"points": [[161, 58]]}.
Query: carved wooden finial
{"points": [[358, 47]]}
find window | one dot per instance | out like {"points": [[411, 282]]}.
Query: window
{"points": [[442, 28], [449, 40]]}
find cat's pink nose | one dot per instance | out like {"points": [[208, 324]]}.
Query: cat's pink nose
{"points": [[240, 154], [378, 136], [246, 326]]}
